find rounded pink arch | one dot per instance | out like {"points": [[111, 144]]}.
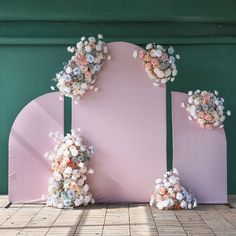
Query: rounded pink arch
{"points": [[126, 122], [29, 140], [200, 155]]}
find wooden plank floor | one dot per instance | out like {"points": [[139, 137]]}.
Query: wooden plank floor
{"points": [[115, 220]]}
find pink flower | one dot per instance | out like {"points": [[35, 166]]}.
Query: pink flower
{"points": [[154, 62], [148, 65], [87, 74], [209, 126], [208, 117], [201, 114], [141, 54], [164, 57]]}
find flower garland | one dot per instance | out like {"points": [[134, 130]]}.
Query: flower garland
{"points": [[159, 63], [79, 73], [169, 194], [67, 185], [206, 108]]}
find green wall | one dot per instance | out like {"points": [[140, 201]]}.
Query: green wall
{"points": [[34, 36]]}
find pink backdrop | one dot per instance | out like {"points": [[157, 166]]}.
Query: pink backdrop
{"points": [[29, 170], [200, 155], [126, 122]]}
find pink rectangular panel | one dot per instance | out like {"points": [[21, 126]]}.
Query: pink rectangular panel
{"points": [[29, 170], [126, 122], [200, 155]]}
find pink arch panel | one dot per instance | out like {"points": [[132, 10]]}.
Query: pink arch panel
{"points": [[29, 170], [200, 155], [126, 122]]}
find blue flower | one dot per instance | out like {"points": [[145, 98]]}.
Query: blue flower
{"points": [[70, 194], [205, 107], [67, 77], [172, 60], [189, 197], [76, 71], [67, 202], [171, 50], [91, 149], [90, 58], [97, 67]]}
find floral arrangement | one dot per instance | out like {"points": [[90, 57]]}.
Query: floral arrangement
{"points": [[159, 63], [206, 108], [67, 185], [169, 194], [79, 73]]}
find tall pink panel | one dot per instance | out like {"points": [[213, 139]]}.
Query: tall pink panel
{"points": [[29, 170], [200, 155], [126, 122]]}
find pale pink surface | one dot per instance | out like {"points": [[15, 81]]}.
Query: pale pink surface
{"points": [[126, 122], [200, 155], [29, 170]]}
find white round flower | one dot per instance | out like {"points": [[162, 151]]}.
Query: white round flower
{"points": [[165, 203], [60, 206], [87, 199], [84, 86], [88, 49], [183, 204], [68, 70], [159, 205], [158, 181], [158, 53], [228, 113], [91, 39], [135, 54], [149, 46], [74, 153], [80, 182], [68, 170], [98, 48], [179, 196], [57, 176], [66, 153], [86, 188], [100, 36]]}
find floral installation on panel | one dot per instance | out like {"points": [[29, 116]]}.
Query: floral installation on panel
{"points": [[169, 194], [207, 108], [79, 73], [159, 63], [67, 185]]}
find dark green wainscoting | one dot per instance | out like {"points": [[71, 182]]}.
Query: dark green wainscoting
{"points": [[34, 36]]}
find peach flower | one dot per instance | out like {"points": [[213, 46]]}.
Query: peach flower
{"points": [[201, 114], [141, 54], [162, 190], [208, 117], [209, 126]]}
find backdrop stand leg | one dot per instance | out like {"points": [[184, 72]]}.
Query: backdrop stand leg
{"points": [[8, 205]]}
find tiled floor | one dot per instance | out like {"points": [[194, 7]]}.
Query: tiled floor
{"points": [[115, 220]]}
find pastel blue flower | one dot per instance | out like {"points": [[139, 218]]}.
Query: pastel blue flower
{"points": [[171, 50], [90, 58], [67, 202], [97, 67], [172, 60], [91, 149], [67, 77], [76, 71]]}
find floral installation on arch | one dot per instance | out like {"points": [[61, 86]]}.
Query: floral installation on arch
{"points": [[207, 108], [79, 73], [159, 63], [169, 194], [67, 185]]}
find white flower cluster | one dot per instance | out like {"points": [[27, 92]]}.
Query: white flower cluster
{"points": [[206, 108], [79, 73], [169, 194], [159, 63], [67, 185]]}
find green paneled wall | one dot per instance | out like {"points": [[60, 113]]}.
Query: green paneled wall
{"points": [[34, 36]]}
